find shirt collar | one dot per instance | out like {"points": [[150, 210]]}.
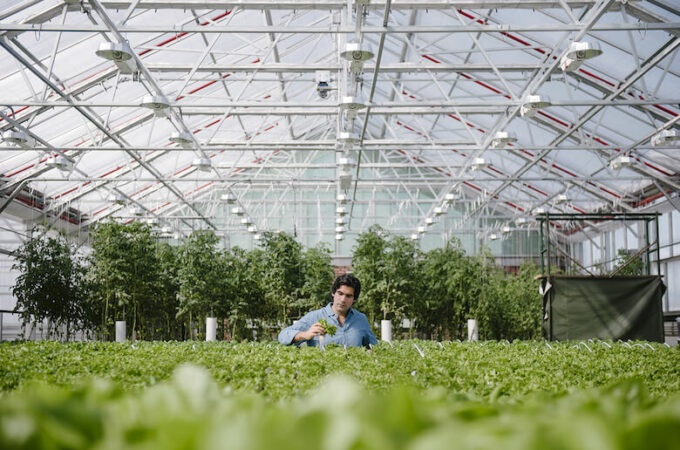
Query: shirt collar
{"points": [[328, 309]]}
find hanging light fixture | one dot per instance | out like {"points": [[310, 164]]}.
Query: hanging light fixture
{"points": [[352, 103], [561, 198], [478, 164], [252, 229], [493, 237], [620, 162], [247, 221], [228, 198], [60, 162], [421, 229], [502, 138], [202, 164], [506, 229], [532, 104], [339, 237], [415, 236], [115, 197], [340, 229], [237, 210], [577, 53], [664, 137], [356, 54], [183, 139], [19, 138], [157, 103], [438, 211], [121, 55], [521, 221], [348, 139], [343, 199]]}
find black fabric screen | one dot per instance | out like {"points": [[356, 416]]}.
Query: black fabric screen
{"points": [[604, 308]]}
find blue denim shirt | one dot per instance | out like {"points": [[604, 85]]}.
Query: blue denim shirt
{"points": [[355, 332]]}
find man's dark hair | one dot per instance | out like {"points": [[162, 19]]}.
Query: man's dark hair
{"points": [[348, 280]]}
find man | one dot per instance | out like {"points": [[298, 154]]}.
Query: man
{"points": [[352, 326]]}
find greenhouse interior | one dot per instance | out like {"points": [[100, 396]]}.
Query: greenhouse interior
{"points": [[502, 176]]}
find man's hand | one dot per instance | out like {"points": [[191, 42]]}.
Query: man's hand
{"points": [[314, 330]]}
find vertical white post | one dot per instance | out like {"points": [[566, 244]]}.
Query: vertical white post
{"points": [[386, 330], [120, 331], [473, 334], [211, 328]]}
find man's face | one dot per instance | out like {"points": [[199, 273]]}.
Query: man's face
{"points": [[343, 299]]}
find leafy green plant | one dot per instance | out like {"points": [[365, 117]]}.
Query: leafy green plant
{"points": [[328, 329], [201, 278], [282, 274], [50, 284], [124, 277]]}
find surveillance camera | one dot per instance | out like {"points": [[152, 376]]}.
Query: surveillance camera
{"points": [[323, 88]]}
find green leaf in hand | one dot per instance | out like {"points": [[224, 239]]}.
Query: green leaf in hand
{"points": [[329, 329]]}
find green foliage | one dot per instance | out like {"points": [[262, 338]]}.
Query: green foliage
{"points": [[328, 329], [367, 263], [51, 283], [318, 277], [387, 267], [201, 276], [282, 274], [627, 266], [465, 395], [489, 371], [189, 411], [125, 277]]}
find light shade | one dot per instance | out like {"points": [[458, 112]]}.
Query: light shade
{"points": [[157, 103], [115, 197], [202, 164], [340, 229], [561, 198], [356, 52], [341, 220], [501, 138], [577, 53], [339, 237], [532, 104], [18, 138], [343, 199], [664, 137], [421, 229], [183, 139], [237, 210], [247, 221], [505, 229], [114, 51], [252, 229], [346, 163], [352, 103], [493, 236], [228, 198], [429, 221], [348, 138], [620, 162], [60, 162], [438, 211], [479, 164], [415, 236], [341, 211]]}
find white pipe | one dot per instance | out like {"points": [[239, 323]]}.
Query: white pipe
{"points": [[120, 331], [211, 328], [386, 330], [473, 332]]}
